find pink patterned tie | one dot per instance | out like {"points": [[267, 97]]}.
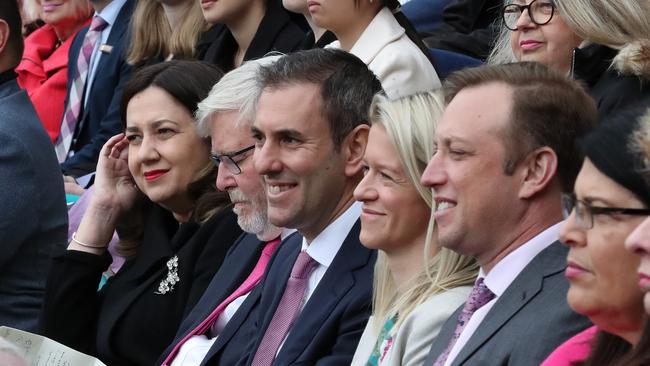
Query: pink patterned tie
{"points": [[479, 296], [249, 283], [75, 100], [287, 310]]}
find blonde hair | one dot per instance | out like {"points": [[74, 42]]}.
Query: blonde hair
{"points": [[623, 25], [31, 10], [152, 35], [410, 124]]}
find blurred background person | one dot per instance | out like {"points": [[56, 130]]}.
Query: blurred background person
{"points": [[156, 185], [96, 78], [43, 70], [417, 284], [165, 29], [600, 42], [316, 36], [246, 30], [381, 36], [33, 219], [609, 203]]}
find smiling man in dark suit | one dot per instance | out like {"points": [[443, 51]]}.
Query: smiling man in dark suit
{"points": [[506, 152], [94, 90], [311, 130]]}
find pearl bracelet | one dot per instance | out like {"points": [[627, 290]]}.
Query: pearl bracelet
{"points": [[74, 239]]}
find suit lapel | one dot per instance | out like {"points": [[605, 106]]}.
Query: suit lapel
{"points": [[522, 290], [115, 39], [335, 284]]}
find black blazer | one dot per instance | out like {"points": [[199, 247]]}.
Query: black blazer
{"points": [[330, 325], [127, 323], [280, 30], [100, 119]]}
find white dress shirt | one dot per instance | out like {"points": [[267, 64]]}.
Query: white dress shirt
{"points": [[500, 278], [109, 14]]}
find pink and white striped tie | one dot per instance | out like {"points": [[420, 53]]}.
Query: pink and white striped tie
{"points": [[75, 100]]}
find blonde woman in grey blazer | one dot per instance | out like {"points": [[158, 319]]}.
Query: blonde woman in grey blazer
{"points": [[417, 285]]}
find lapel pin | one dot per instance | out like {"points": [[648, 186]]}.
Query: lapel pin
{"points": [[105, 48]]}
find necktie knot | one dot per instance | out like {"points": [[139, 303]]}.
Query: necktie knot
{"points": [[98, 24], [479, 296], [303, 266]]}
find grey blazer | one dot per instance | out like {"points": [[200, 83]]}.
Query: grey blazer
{"points": [[412, 340], [526, 323], [33, 215]]}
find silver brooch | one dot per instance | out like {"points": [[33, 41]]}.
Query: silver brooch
{"points": [[167, 284]]}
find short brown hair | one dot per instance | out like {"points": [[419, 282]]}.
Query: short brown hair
{"points": [[347, 86], [548, 109]]}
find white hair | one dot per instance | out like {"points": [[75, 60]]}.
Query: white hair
{"points": [[236, 91]]}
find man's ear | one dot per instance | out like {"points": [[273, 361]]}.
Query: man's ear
{"points": [[4, 35], [353, 147], [537, 171]]}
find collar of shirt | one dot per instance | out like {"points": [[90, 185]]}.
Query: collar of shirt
{"points": [[110, 12], [509, 267], [324, 247]]}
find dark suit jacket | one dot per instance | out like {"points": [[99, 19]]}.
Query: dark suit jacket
{"points": [[526, 323], [33, 218], [100, 119], [280, 30], [330, 325], [238, 264], [468, 27], [127, 322]]}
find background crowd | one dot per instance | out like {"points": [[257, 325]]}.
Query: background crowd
{"points": [[327, 182]]}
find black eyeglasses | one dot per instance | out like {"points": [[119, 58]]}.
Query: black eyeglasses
{"points": [[540, 12], [585, 212], [231, 161]]}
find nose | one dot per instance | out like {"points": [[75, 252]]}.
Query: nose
{"points": [[147, 151], [434, 174], [364, 191], [266, 159], [225, 179], [638, 242], [524, 20], [571, 233]]}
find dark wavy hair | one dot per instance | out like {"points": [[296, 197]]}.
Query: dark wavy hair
{"points": [[189, 82]]}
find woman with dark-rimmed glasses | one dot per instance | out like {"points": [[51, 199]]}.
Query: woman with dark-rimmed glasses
{"points": [[609, 203], [603, 43]]}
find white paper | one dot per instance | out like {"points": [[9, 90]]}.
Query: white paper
{"points": [[42, 351]]}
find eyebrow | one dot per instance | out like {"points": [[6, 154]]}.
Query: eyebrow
{"points": [[154, 124]]}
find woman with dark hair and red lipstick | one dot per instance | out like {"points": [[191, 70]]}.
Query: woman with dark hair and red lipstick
{"points": [[155, 183], [610, 201]]}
